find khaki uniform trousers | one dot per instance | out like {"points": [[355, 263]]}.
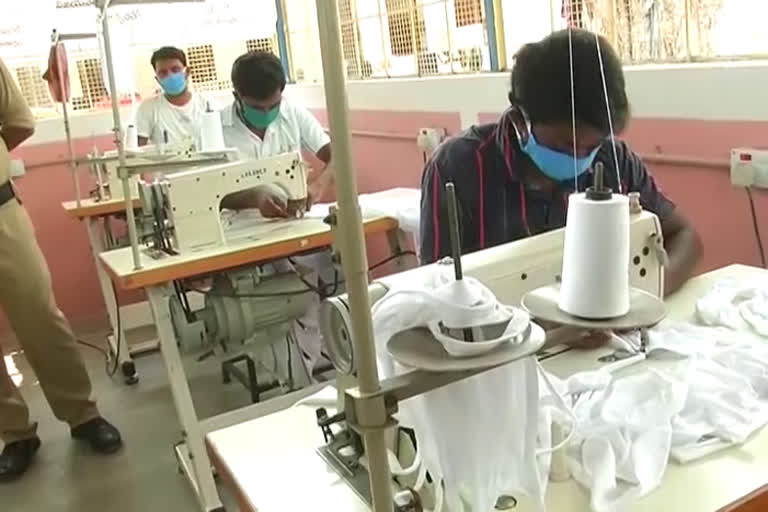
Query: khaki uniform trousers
{"points": [[26, 297]]}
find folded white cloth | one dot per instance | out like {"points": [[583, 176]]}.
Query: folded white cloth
{"points": [[736, 305]]}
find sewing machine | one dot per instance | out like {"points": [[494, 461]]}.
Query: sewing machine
{"points": [[510, 271], [104, 167], [187, 203]]}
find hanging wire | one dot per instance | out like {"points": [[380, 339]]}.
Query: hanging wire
{"points": [[608, 109], [573, 113]]}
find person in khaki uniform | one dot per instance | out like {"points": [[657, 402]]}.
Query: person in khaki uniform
{"points": [[26, 297]]}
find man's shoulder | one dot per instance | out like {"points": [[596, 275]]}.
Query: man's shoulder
{"points": [[456, 151], [294, 113], [228, 115]]}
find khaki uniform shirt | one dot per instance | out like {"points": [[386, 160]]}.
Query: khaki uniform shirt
{"points": [[13, 112]]}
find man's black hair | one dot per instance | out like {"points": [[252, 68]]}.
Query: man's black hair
{"points": [[541, 81], [258, 75], [168, 53]]}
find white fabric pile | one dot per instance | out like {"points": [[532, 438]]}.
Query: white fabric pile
{"points": [[706, 389], [403, 204], [736, 305]]}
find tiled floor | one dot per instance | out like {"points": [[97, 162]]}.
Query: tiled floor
{"points": [[66, 477]]}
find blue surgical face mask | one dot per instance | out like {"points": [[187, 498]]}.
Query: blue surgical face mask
{"points": [[554, 164], [174, 84]]}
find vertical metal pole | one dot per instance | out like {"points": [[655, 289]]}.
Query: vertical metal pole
{"points": [[448, 29], [67, 127], [413, 8], [282, 44], [614, 26], [353, 256], [122, 172], [383, 40], [501, 37], [688, 29], [552, 16], [490, 28]]}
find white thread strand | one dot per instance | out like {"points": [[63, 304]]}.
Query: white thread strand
{"points": [[573, 114], [608, 110]]}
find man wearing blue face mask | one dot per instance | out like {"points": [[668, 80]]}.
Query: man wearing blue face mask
{"points": [[176, 112], [513, 177], [261, 123]]}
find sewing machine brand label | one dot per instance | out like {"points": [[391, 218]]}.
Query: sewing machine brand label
{"points": [[253, 173]]}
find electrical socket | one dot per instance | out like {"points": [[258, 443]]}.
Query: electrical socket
{"points": [[429, 138], [749, 167]]}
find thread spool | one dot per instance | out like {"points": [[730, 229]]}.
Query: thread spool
{"points": [[595, 277], [131, 138], [211, 133]]}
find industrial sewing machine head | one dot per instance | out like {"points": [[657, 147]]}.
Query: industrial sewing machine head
{"points": [[150, 159], [186, 205], [511, 271]]}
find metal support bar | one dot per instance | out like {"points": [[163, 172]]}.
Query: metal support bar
{"points": [[352, 244], [118, 343], [282, 44], [194, 457], [490, 28], [118, 130], [75, 37], [249, 380], [501, 37]]}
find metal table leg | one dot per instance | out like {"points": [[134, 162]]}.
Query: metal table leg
{"points": [[191, 453], [118, 346]]}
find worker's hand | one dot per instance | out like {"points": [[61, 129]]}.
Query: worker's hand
{"points": [[271, 205], [318, 187], [593, 340]]}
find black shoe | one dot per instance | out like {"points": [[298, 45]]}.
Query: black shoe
{"points": [[102, 436], [17, 457]]}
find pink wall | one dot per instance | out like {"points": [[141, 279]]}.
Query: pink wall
{"points": [[704, 193], [719, 211]]}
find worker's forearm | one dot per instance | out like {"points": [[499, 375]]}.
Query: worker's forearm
{"points": [[684, 250], [14, 136], [241, 200]]}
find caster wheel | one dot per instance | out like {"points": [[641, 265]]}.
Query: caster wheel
{"points": [[129, 372]]}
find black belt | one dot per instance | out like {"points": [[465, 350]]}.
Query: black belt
{"points": [[6, 192]]}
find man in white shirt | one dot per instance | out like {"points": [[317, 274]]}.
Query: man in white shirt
{"points": [[177, 113], [261, 123]]}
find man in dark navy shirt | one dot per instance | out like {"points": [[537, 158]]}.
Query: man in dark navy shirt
{"points": [[513, 177]]}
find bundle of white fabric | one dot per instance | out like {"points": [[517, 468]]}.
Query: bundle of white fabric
{"points": [[733, 304], [713, 397], [477, 436]]}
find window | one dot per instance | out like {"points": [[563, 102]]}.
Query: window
{"points": [[407, 30], [303, 40], [673, 30], [33, 87], [350, 41], [265, 44], [468, 12], [201, 64], [92, 82]]}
